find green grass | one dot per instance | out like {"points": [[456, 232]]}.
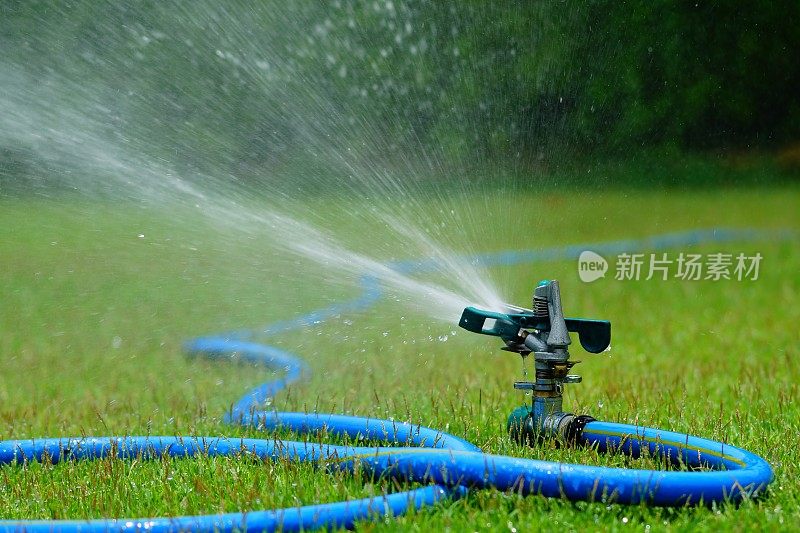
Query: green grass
{"points": [[93, 318]]}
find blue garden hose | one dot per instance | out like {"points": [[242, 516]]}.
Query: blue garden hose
{"points": [[448, 464]]}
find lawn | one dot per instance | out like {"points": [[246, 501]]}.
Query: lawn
{"points": [[97, 299]]}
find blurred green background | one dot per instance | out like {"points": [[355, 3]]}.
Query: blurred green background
{"points": [[425, 88]]}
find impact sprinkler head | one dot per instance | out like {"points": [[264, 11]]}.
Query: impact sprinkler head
{"points": [[544, 332]]}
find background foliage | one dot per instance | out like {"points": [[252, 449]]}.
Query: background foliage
{"points": [[263, 88]]}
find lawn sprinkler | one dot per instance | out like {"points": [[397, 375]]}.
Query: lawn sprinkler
{"points": [[544, 332]]}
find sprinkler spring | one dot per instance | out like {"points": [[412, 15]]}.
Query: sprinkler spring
{"points": [[544, 332]]}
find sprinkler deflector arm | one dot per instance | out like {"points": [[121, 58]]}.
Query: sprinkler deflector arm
{"points": [[594, 335]]}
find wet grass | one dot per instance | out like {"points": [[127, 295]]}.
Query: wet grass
{"points": [[98, 299]]}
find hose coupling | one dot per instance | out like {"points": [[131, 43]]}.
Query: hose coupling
{"points": [[562, 428]]}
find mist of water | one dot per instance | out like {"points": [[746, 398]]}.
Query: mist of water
{"points": [[64, 134], [85, 119]]}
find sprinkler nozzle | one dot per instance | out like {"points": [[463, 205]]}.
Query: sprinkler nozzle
{"points": [[544, 332]]}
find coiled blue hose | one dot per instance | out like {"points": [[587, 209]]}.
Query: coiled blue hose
{"points": [[451, 465]]}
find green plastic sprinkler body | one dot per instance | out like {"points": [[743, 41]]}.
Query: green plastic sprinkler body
{"points": [[544, 332]]}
